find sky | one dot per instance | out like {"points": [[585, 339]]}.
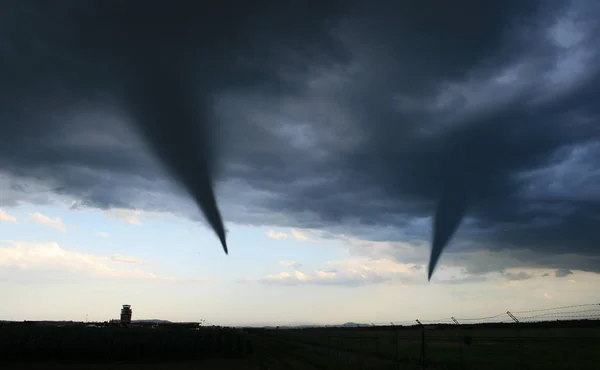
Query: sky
{"points": [[342, 153]]}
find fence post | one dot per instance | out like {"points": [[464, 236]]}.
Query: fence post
{"points": [[361, 342], [423, 363], [460, 342], [397, 347], [376, 341], [519, 341]]}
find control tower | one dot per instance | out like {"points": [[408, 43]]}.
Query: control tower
{"points": [[126, 315]]}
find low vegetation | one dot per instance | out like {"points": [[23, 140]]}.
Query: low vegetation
{"points": [[34, 342], [566, 345], [573, 345]]}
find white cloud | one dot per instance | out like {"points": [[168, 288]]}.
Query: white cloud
{"points": [[129, 216], [44, 220], [133, 260], [547, 296], [102, 234], [299, 235], [294, 233], [363, 271], [51, 258], [277, 235], [5, 217], [475, 259], [291, 264], [349, 272], [416, 251]]}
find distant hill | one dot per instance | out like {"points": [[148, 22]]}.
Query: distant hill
{"points": [[354, 325], [151, 321], [309, 326]]}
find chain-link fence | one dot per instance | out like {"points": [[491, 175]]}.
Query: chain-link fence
{"points": [[519, 340]]}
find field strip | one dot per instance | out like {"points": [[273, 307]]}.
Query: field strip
{"points": [[372, 362]]}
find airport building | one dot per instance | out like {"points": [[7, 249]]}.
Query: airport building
{"points": [[126, 314]]}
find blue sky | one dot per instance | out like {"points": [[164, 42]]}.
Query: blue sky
{"points": [[59, 263]]}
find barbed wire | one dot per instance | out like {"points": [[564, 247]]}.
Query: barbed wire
{"points": [[504, 317], [406, 322], [483, 318], [558, 308], [561, 313], [437, 321], [550, 314], [566, 317]]}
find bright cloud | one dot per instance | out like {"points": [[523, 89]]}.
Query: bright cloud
{"points": [[350, 272], [299, 235], [7, 218], [129, 216], [364, 271], [102, 234], [277, 235], [44, 220], [547, 296], [125, 259], [294, 233], [292, 264], [50, 256]]}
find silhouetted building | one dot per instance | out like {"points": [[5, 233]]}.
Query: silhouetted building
{"points": [[126, 314]]}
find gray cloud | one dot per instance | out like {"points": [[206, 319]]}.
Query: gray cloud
{"points": [[516, 276], [562, 273], [464, 280], [483, 262], [356, 119]]}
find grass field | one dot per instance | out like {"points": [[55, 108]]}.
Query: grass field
{"points": [[541, 346], [459, 347]]}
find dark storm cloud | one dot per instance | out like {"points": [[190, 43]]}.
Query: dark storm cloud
{"points": [[161, 63], [367, 116]]}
